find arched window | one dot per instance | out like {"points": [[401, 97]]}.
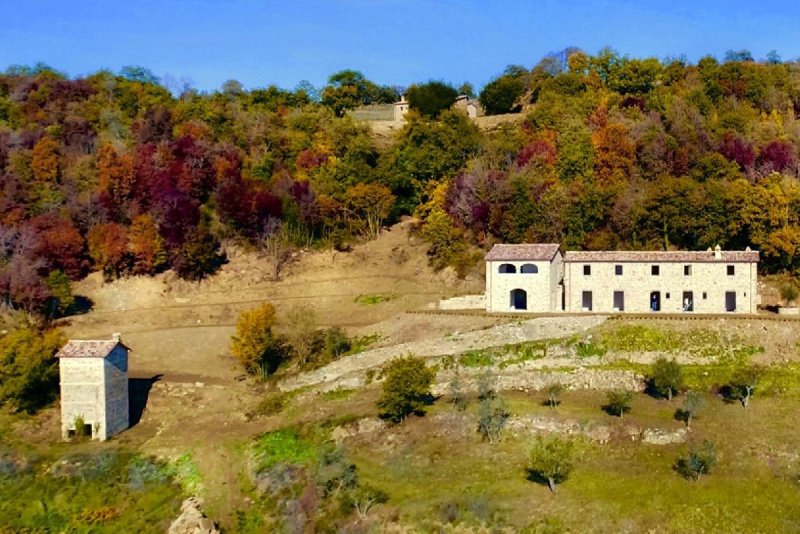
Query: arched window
{"points": [[518, 299], [529, 268], [506, 268]]}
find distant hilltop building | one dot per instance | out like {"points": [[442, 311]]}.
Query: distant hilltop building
{"points": [[538, 278], [468, 105], [400, 110], [94, 387]]}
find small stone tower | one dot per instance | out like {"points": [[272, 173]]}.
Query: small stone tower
{"points": [[94, 387]]}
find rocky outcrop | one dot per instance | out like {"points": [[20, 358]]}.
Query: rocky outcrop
{"points": [[192, 519]]}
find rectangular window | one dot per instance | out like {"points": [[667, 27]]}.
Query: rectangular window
{"points": [[730, 270], [587, 270], [586, 301], [619, 301], [705, 295], [618, 270], [687, 270], [667, 295], [654, 270]]}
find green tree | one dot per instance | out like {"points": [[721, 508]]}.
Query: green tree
{"points": [[692, 405], [619, 402], [699, 460], [666, 378], [255, 344], [501, 94], [744, 381], [443, 237], [431, 99], [28, 369], [61, 297], [406, 389], [552, 459]]}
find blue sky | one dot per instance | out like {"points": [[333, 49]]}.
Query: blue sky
{"points": [[391, 41]]}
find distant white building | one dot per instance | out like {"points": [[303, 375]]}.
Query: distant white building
{"points": [[94, 387], [537, 278], [400, 110]]}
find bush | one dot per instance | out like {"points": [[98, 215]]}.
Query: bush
{"points": [[619, 402], [407, 388], [271, 404], [255, 345], [789, 292], [492, 416], [666, 378], [552, 460], [699, 460], [336, 342], [431, 98]]}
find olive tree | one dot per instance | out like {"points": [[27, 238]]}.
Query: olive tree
{"points": [[619, 402], [693, 403], [407, 388], [666, 378], [743, 383], [699, 460], [551, 460]]}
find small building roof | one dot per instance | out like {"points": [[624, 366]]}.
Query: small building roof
{"points": [[89, 348], [527, 251], [671, 256]]}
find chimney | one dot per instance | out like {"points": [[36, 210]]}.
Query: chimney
{"points": [[717, 253], [116, 336]]}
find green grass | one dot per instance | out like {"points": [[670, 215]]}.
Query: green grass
{"points": [[110, 491], [505, 356], [434, 472], [371, 299], [282, 446], [185, 471]]}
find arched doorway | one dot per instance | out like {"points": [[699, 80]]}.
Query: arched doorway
{"points": [[519, 299]]}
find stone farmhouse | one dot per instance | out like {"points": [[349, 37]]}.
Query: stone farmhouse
{"points": [[538, 278], [94, 387]]}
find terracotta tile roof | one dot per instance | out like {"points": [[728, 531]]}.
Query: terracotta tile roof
{"points": [[529, 251], [79, 348], [677, 256]]}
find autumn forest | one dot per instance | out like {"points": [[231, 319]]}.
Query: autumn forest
{"points": [[115, 173]]}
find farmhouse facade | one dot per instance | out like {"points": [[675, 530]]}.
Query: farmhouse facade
{"points": [[94, 387], [538, 278]]}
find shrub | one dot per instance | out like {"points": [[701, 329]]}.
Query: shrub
{"points": [[552, 460], [789, 292], [553, 392], [272, 404], [618, 402], [698, 461], [336, 342], [255, 345], [666, 378], [492, 416], [407, 388]]}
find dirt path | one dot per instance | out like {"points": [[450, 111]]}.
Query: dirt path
{"points": [[531, 330]]}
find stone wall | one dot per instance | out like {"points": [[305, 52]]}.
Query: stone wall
{"points": [[708, 283], [116, 391], [464, 302], [82, 382]]}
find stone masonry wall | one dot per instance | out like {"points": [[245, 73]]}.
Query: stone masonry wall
{"points": [[81, 392], [708, 282]]}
